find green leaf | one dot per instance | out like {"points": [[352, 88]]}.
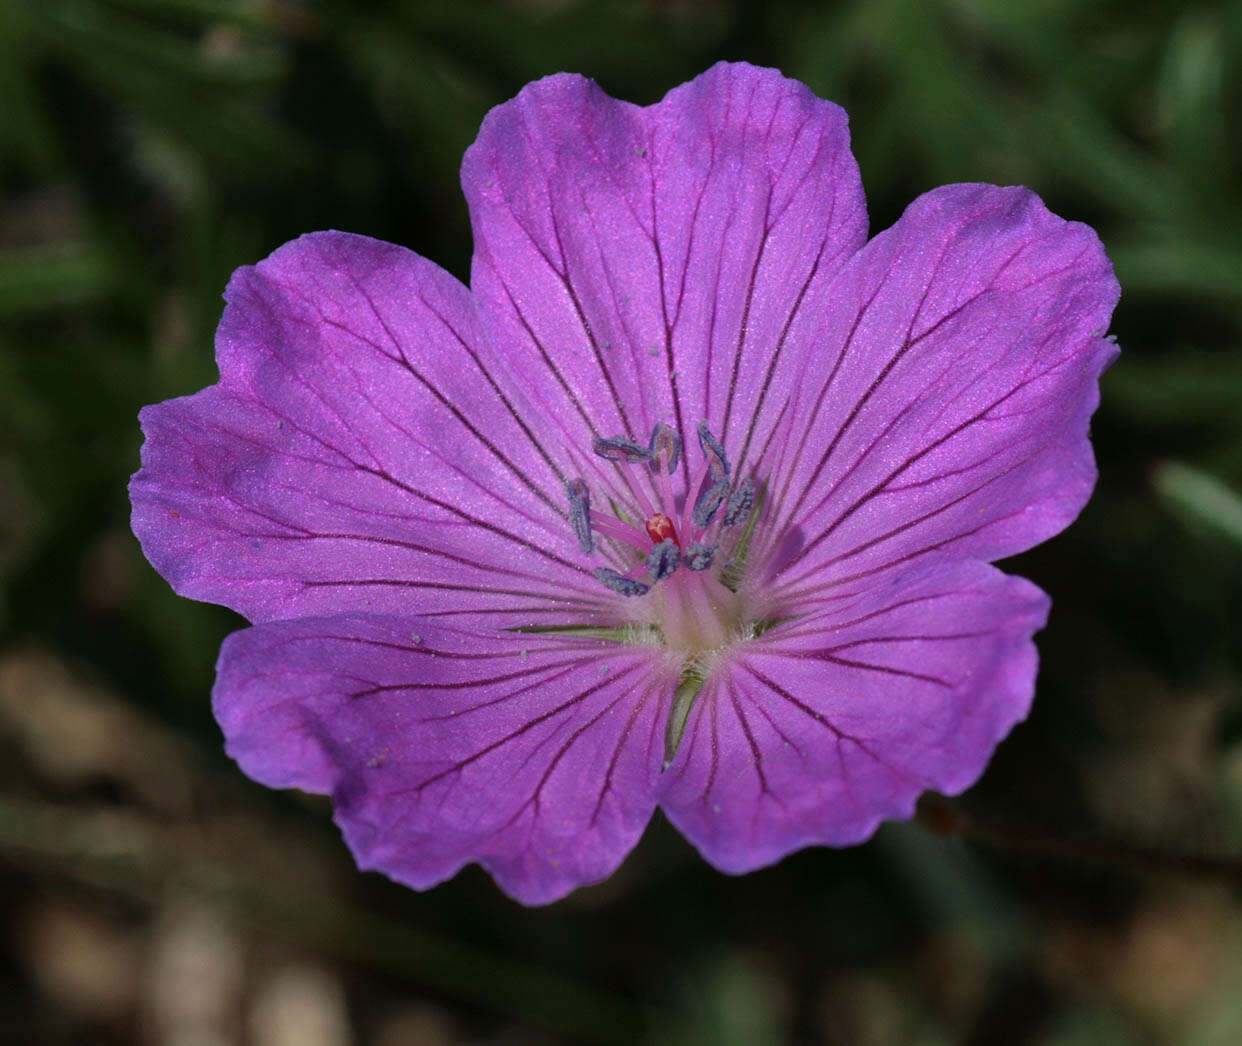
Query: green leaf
{"points": [[1202, 497]]}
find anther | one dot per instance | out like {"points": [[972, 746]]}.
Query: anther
{"points": [[709, 502], [740, 503], [714, 452], [580, 512], [699, 556], [663, 559], [664, 441], [619, 448], [619, 583]]}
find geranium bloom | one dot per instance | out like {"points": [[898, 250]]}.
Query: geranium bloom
{"points": [[687, 501]]}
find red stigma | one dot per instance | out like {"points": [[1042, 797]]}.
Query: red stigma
{"points": [[660, 528]]}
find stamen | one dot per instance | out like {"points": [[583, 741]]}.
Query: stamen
{"points": [[740, 504], [619, 448], [714, 452], [619, 583], [701, 609], [699, 556], [664, 441], [580, 512], [611, 527], [709, 502], [660, 528], [663, 559]]}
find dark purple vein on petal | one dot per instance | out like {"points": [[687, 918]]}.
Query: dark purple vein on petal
{"points": [[766, 384], [841, 736], [816, 623], [867, 666], [491, 381], [536, 680], [745, 320], [909, 524], [533, 676], [573, 740], [519, 614], [446, 586], [781, 527], [529, 725], [907, 557], [422, 649], [929, 637], [622, 742], [776, 688], [572, 291], [711, 708], [411, 546], [772, 724], [670, 323], [819, 256], [907, 344], [403, 361], [435, 452], [755, 753], [469, 518], [625, 329], [535, 800], [547, 360], [907, 463]]}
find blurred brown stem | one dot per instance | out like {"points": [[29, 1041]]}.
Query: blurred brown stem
{"points": [[939, 815]]}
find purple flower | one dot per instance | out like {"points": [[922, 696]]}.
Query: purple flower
{"points": [[688, 501]]}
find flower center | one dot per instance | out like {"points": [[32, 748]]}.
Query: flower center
{"points": [[682, 564]]}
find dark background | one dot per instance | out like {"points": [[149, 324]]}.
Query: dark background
{"points": [[150, 893]]}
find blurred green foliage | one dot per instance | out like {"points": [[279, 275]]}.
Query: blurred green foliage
{"points": [[149, 147]]}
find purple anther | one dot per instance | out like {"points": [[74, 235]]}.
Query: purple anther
{"points": [[663, 559], [709, 503], [699, 556], [618, 448], [580, 512], [714, 452], [619, 583], [740, 503], [665, 444]]}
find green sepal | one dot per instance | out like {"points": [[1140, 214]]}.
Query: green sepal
{"points": [[731, 576], [683, 700], [611, 633]]}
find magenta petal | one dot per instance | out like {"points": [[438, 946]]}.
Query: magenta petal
{"points": [[827, 725], [535, 755], [361, 451], [950, 411], [649, 262]]}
